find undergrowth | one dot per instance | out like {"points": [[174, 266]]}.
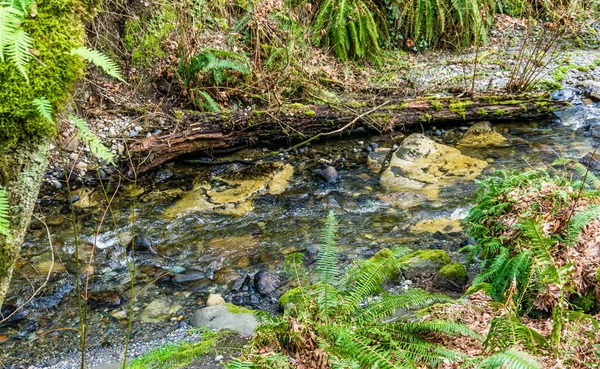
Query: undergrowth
{"points": [[349, 321]]}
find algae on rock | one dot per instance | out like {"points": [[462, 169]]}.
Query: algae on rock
{"points": [[424, 166]]}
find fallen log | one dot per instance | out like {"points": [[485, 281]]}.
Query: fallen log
{"points": [[216, 133]]}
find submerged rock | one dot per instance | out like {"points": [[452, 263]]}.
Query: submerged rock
{"points": [[376, 158], [220, 317], [423, 166], [231, 193], [158, 310], [452, 277], [482, 134], [443, 225]]}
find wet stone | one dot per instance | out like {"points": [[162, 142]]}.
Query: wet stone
{"points": [[329, 175], [266, 282]]}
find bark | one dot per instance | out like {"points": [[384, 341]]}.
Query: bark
{"points": [[214, 133], [21, 171]]}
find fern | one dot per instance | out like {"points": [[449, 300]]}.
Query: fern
{"points": [[580, 220], [4, 221], [507, 332], [87, 136], [100, 60], [210, 104], [17, 50], [351, 320], [15, 42], [44, 108], [510, 359]]}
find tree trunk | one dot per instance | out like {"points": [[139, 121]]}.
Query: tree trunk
{"points": [[214, 133], [21, 170]]}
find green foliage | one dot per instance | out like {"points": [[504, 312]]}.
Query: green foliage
{"points": [[100, 60], [178, 355], [510, 359], [349, 27], [348, 318], [4, 222], [44, 108], [54, 29], [211, 67], [428, 22], [93, 142], [15, 42], [507, 332]]}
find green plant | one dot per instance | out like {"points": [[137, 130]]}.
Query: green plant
{"points": [[178, 355], [428, 22], [4, 222], [349, 27], [217, 66], [510, 359], [15, 41], [346, 322]]}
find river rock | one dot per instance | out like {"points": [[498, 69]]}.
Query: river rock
{"points": [[591, 89], [480, 135], [376, 158], [55, 220], [442, 225], [231, 192], [423, 264], [422, 165], [87, 197], [214, 299], [232, 248], [226, 275], [158, 310], [329, 175], [451, 277], [219, 317], [266, 283], [565, 94], [592, 160]]}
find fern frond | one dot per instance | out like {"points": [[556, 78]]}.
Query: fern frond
{"points": [[17, 50], [326, 268], [93, 142], [44, 108], [510, 359], [100, 60], [4, 220], [412, 299], [541, 247], [507, 332], [211, 104], [580, 220]]}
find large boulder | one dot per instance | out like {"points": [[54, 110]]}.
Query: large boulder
{"points": [[423, 264], [220, 317], [482, 134], [421, 165]]}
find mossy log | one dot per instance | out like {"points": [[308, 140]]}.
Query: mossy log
{"points": [[213, 133]]}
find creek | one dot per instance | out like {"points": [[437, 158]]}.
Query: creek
{"points": [[210, 229]]}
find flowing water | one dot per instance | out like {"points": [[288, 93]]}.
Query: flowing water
{"points": [[182, 257]]}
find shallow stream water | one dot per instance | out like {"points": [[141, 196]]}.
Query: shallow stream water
{"points": [[182, 258]]}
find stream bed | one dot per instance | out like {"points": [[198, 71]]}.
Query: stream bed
{"points": [[203, 229]]}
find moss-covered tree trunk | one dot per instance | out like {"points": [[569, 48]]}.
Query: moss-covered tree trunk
{"points": [[21, 171]]}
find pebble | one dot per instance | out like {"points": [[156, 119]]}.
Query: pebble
{"points": [[112, 133], [214, 300]]}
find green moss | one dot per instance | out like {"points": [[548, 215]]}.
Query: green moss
{"points": [[481, 111], [453, 271], [400, 106], [144, 35], [582, 68], [560, 73], [550, 85], [437, 105], [238, 309], [544, 106], [434, 255], [298, 109], [56, 29], [459, 107], [425, 118], [356, 104], [586, 302], [490, 99], [381, 118], [500, 112], [179, 354]]}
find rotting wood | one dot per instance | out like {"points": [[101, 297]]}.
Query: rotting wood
{"points": [[212, 134]]}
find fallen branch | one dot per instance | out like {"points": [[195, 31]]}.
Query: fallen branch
{"points": [[211, 134]]}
